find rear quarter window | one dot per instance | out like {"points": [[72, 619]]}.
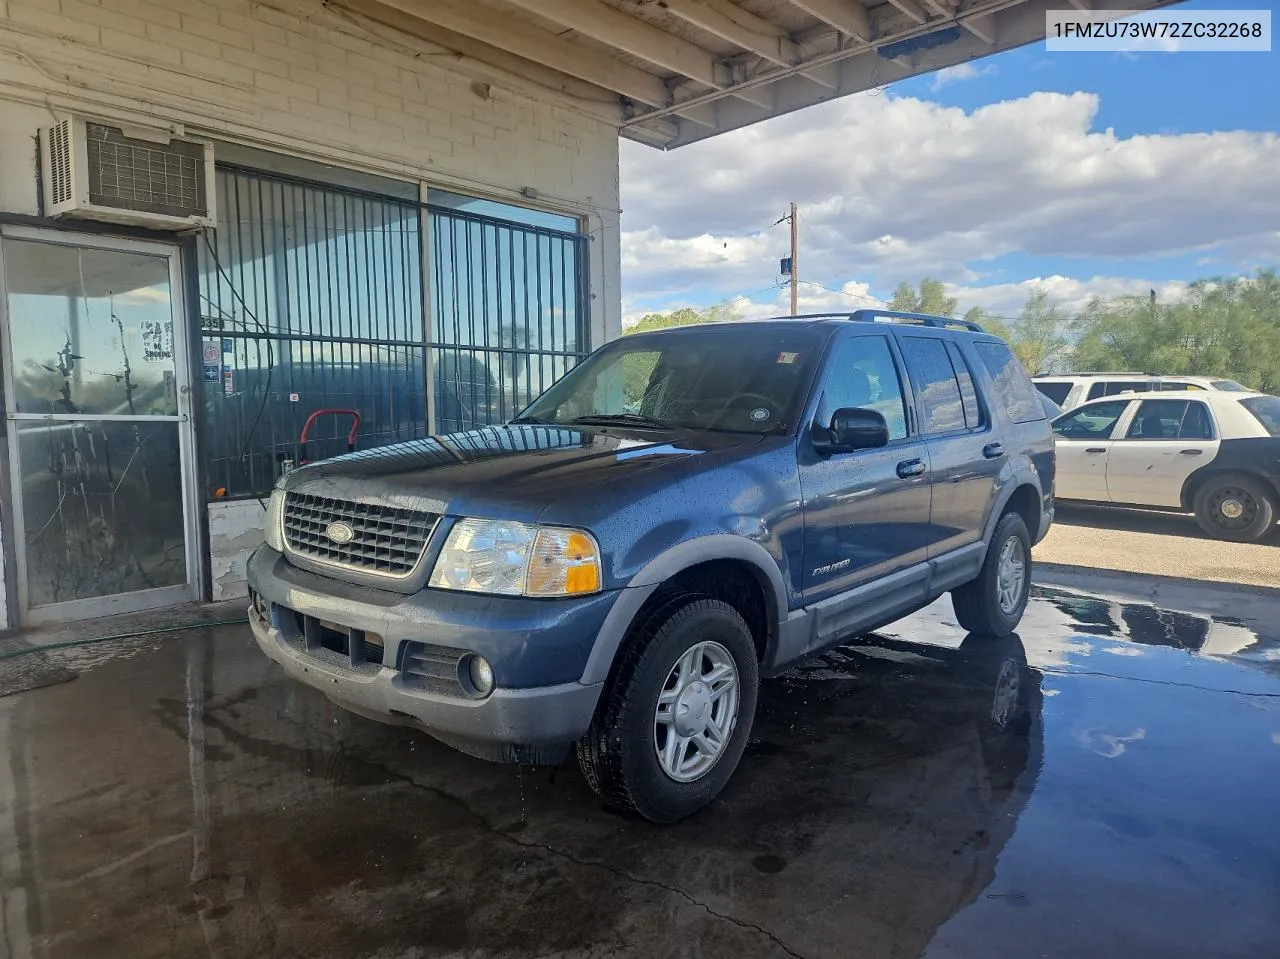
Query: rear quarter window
{"points": [[1058, 392], [1266, 410], [1013, 387]]}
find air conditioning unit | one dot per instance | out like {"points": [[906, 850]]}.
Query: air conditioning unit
{"points": [[125, 175]]}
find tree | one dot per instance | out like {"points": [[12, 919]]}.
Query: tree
{"points": [[1228, 327], [1041, 337], [685, 316], [930, 298]]}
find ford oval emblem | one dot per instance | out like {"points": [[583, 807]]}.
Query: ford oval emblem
{"points": [[340, 533]]}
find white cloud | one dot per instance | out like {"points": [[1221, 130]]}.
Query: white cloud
{"points": [[893, 188], [961, 71]]}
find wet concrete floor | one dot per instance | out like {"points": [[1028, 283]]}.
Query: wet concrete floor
{"points": [[1106, 785]]}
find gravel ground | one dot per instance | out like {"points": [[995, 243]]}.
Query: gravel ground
{"points": [[1161, 544]]}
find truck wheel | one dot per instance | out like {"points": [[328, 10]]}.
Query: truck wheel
{"points": [[993, 603], [1235, 507], [676, 712]]}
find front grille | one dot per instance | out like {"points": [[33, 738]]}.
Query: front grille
{"points": [[385, 539], [433, 669]]}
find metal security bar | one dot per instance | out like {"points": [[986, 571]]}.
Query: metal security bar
{"points": [[508, 314], [311, 297]]}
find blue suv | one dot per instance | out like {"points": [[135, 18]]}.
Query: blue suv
{"points": [[685, 512]]}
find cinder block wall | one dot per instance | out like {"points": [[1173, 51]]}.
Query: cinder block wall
{"points": [[299, 77]]}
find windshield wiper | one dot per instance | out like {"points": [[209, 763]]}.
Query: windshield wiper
{"points": [[626, 419], [533, 420]]}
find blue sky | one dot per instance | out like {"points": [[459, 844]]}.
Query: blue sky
{"points": [[1082, 173]]}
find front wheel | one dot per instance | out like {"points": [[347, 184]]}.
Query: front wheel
{"points": [[1236, 508], [993, 603], [675, 715]]}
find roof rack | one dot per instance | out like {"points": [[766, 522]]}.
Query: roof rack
{"points": [[1109, 373], [897, 316]]}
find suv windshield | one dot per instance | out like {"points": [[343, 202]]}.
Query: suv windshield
{"points": [[731, 379], [1266, 410]]}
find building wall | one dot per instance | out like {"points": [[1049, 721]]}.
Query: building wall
{"points": [[299, 77]]}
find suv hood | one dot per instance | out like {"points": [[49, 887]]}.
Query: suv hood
{"points": [[507, 472]]}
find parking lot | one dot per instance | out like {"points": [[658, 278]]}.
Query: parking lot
{"points": [[1101, 786], [1155, 543]]}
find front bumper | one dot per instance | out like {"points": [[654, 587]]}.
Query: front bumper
{"points": [[522, 720]]}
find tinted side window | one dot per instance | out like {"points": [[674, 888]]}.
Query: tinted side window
{"points": [[1129, 386], [1266, 410], [968, 393], [1055, 391], [1157, 420], [1014, 388], [862, 374], [1196, 424], [1097, 390], [1093, 422], [934, 381]]}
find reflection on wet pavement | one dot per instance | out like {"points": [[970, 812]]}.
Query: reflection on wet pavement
{"points": [[1103, 786]]}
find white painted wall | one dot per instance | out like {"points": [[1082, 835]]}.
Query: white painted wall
{"points": [[295, 76]]}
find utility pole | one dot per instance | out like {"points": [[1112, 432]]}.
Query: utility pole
{"points": [[795, 261]]}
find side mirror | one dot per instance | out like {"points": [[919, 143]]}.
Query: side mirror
{"points": [[853, 429]]}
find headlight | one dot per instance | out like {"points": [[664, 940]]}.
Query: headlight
{"points": [[274, 532], [516, 559]]}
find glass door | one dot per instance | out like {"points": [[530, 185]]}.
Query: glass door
{"points": [[99, 425]]}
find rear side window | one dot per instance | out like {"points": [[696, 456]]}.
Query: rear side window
{"points": [[935, 383], [1057, 392], [1266, 410], [968, 394], [1120, 386], [1170, 420], [1014, 389]]}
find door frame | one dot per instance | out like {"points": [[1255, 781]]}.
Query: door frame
{"points": [[138, 600]]}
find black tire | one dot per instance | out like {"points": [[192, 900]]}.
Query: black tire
{"points": [[618, 755], [977, 603], [1238, 490]]}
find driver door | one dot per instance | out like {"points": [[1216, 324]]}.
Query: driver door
{"points": [[1083, 442], [866, 513]]}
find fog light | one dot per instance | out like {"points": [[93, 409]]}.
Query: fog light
{"points": [[481, 675]]}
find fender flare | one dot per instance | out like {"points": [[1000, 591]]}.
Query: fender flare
{"points": [[719, 546], [1023, 474]]}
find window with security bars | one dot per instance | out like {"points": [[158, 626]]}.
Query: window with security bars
{"points": [[312, 297], [508, 315]]}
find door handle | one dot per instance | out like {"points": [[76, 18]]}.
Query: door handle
{"points": [[993, 450], [910, 468], [1190, 452], [1096, 449]]}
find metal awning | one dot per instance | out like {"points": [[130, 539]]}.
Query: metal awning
{"points": [[671, 72]]}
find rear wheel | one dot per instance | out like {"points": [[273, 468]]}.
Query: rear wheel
{"points": [[676, 713], [992, 604], [1235, 507]]}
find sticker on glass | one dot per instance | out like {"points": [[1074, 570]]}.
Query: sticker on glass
{"points": [[787, 357], [759, 414]]}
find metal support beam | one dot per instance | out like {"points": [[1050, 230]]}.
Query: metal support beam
{"points": [[983, 27], [480, 61], [730, 22], [912, 9], [847, 16], [486, 25], [598, 20]]}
